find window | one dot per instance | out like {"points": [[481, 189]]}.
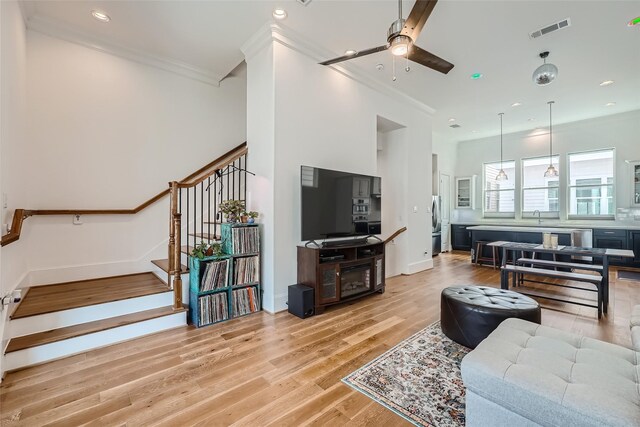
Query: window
{"points": [[591, 188], [540, 193], [499, 195]]}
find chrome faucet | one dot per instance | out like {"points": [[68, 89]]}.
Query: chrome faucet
{"points": [[539, 219]]}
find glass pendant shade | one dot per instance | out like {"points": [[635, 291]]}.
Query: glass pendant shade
{"points": [[551, 172], [545, 74], [502, 176]]}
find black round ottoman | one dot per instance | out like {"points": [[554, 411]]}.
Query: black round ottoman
{"points": [[468, 314]]}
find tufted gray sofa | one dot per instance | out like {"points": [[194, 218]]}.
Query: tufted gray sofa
{"points": [[525, 374], [635, 327]]}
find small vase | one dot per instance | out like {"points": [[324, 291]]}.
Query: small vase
{"points": [[232, 218], [251, 220], [244, 219]]}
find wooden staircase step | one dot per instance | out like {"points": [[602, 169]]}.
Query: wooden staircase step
{"points": [[206, 236], [64, 296], [54, 335], [164, 266]]}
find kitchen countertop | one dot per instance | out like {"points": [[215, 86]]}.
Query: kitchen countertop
{"points": [[591, 226], [539, 229]]}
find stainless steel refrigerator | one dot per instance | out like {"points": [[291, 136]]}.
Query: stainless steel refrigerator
{"points": [[436, 225]]}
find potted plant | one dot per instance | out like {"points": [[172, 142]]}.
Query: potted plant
{"points": [[231, 209], [200, 250], [252, 216], [216, 248]]}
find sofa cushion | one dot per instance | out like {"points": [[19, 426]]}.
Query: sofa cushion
{"points": [[554, 377], [635, 316]]}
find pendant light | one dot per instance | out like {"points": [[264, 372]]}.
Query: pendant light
{"points": [[502, 176], [551, 171], [546, 73]]}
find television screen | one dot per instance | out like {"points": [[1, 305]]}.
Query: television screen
{"points": [[339, 204]]}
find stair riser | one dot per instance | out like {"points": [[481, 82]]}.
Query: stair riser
{"points": [[160, 273], [61, 319], [68, 347]]}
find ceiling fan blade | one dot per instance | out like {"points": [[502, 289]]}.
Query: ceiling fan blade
{"points": [[355, 55], [422, 57], [417, 18]]}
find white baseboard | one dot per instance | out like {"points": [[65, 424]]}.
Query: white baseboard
{"points": [[417, 267]]}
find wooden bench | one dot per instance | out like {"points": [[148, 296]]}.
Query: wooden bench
{"points": [[573, 265], [517, 270]]}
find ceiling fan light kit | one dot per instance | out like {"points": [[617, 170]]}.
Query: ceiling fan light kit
{"points": [[400, 45], [401, 38], [546, 73]]}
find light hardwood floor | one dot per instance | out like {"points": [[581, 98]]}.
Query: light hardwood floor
{"points": [[265, 369]]}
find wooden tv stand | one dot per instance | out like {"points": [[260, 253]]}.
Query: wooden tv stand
{"points": [[343, 273]]}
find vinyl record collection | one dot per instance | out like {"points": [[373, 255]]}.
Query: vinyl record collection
{"points": [[247, 270], [215, 276], [245, 301], [246, 240], [213, 308]]}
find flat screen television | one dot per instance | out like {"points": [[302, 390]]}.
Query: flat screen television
{"points": [[339, 204]]}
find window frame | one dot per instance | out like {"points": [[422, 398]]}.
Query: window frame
{"points": [[546, 214], [486, 214], [569, 187]]}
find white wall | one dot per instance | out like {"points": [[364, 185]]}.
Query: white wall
{"points": [[105, 132], [618, 131], [13, 259], [393, 151], [326, 119]]}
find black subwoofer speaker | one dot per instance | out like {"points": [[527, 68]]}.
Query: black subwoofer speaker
{"points": [[300, 301]]}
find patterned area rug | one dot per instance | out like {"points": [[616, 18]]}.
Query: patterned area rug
{"points": [[418, 379]]}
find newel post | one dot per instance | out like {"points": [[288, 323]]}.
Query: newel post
{"points": [[175, 240]]}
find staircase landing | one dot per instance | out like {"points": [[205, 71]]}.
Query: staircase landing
{"points": [[64, 296]]}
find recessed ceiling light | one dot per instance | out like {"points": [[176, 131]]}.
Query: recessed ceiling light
{"points": [[476, 76], [516, 104], [452, 119], [379, 67], [609, 104], [634, 21], [100, 16], [349, 52], [279, 13], [606, 83]]}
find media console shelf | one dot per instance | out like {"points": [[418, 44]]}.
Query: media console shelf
{"points": [[342, 273]]}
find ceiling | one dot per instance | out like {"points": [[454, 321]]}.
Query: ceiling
{"points": [[490, 37]]}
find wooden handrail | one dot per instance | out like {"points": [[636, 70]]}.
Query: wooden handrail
{"points": [[222, 162], [394, 235], [20, 214], [218, 163]]}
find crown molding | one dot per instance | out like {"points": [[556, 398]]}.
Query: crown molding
{"points": [[273, 32], [62, 31]]}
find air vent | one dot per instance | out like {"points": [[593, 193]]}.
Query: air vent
{"points": [[455, 126], [550, 28], [304, 2]]}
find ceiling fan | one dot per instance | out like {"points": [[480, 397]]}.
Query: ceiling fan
{"points": [[401, 37]]}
